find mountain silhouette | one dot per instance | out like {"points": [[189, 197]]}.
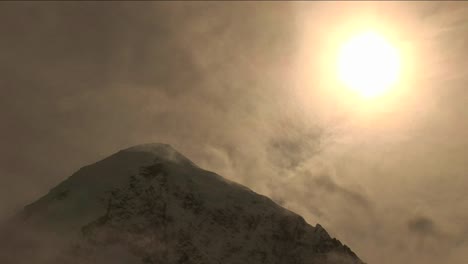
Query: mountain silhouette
{"points": [[150, 204]]}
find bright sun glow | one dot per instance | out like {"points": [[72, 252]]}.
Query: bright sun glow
{"points": [[368, 64]]}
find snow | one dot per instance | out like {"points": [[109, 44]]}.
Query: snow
{"points": [[162, 208]]}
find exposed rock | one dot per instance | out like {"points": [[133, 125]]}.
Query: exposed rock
{"points": [[149, 204]]}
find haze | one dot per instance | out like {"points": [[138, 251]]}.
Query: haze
{"points": [[249, 90]]}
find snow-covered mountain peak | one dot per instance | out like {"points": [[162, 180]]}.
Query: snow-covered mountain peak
{"points": [[154, 204], [160, 151]]}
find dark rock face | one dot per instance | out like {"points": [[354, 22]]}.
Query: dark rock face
{"points": [[171, 211]]}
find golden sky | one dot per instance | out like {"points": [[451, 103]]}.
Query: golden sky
{"points": [[250, 90]]}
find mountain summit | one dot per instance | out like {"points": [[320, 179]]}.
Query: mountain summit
{"points": [[150, 204]]}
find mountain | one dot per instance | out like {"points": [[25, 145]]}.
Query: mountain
{"points": [[150, 204]]}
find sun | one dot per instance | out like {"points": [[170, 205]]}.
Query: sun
{"points": [[368, 64]]}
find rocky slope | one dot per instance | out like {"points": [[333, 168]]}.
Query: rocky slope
{"points": [[150, 204]]}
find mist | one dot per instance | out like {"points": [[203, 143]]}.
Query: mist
{"points": [[237, 88]]}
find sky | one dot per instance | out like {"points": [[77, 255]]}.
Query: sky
{"points": [[247, 89]]}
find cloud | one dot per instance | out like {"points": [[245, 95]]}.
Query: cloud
{"points": [[332, 187], [294, 144], [218, 81], [423, 226]]}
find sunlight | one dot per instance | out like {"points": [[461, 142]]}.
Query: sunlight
{"points": [[368, 64]]}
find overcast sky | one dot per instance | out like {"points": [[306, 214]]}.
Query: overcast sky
{"points": [[241, 89]]}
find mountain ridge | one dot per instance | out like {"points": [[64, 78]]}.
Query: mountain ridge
{"points": [[159, 206]]}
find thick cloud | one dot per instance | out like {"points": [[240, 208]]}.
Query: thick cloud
{"points": [[422, 226], [228, 85]]}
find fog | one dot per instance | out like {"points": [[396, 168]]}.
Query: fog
{"points": [[245, 89]]}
